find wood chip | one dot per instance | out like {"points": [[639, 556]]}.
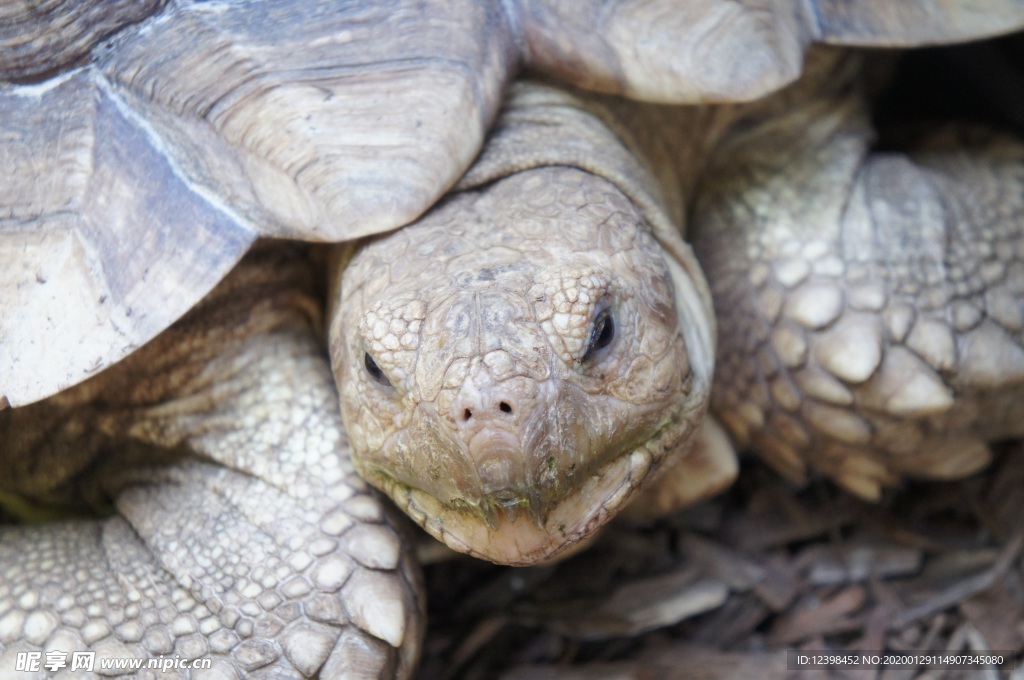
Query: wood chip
{"points": [[660, 601], [726, 564], [964, 589], [850, 564], [816, 617], [995, 614], [780, 584], [731, 623]]}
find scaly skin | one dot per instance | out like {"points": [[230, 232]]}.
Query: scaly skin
{"points": [[870, 303], [242, 533]]}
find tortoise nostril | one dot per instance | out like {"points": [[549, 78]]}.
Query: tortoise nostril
{"points": [[467, 413]]}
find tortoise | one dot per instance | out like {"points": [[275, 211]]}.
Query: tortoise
{"points": [[242, 535]]}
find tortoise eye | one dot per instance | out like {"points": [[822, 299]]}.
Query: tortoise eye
{"points": [[374, 370], [601, 335]]}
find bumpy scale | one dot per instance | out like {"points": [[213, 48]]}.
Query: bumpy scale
{"points": [[874, 319], [243, 535]]}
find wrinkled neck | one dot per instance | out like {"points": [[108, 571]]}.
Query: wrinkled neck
{"points": [[673, 142]]}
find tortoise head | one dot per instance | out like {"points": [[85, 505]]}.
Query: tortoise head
{"points": [[512, 366]]}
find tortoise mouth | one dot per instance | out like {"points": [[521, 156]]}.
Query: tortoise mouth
{"points": [[508, 533]]}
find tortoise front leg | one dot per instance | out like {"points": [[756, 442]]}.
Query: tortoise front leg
{"points": [[245, 537], [869, 303]]}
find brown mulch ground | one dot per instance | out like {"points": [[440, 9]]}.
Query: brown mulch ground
{"points": [[724, 589]]}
